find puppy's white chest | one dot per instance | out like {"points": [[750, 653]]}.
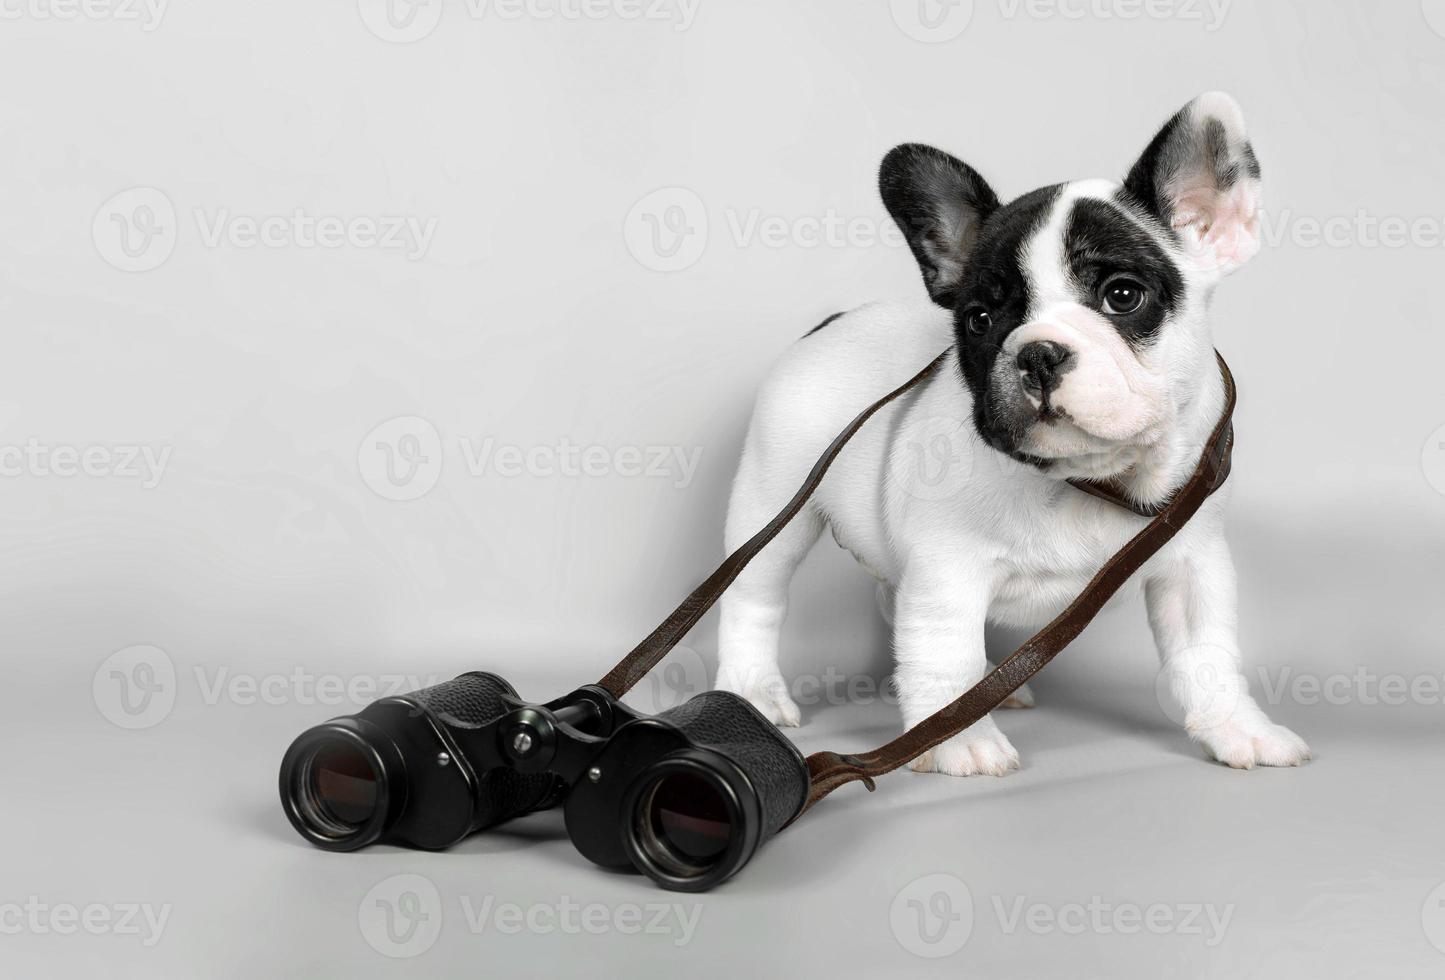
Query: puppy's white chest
{"points": [[1051, 561], [1030, 596]]}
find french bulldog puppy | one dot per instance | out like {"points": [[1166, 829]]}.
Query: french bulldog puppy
{"points": [[1079, 319]]}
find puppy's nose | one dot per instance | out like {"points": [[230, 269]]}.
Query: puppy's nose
{"points": [[1040, 361]]}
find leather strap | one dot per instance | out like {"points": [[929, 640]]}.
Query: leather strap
{"points": [[830, 770], [1115, 493]]}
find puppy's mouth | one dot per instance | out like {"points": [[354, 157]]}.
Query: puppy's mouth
{"points": [[1036, 428], [1054, 434], [1049, 412], [1048, 425]]}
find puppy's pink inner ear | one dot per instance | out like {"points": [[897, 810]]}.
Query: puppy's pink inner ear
{"points": [[1220, 229]]}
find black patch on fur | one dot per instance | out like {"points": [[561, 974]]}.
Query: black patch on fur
{"points": [[1143, 186], [940, 204], [994, 280], [1227, 170], [1102, 242], [824, 323]]}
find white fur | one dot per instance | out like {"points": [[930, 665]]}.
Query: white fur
{"points": [[963, 534]]}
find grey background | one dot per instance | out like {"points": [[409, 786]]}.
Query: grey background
{"points": [[263, 550]]}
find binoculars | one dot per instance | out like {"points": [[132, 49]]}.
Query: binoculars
{"points": [[686, 797]]}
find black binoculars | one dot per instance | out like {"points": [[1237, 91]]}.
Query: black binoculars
{"points": [[686, 797]]}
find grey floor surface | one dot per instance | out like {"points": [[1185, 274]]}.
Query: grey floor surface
{"points": [[1116, 852]]}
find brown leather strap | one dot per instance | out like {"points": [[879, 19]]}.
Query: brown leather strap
{"points": [[670, 632], [1116, 493], [830, 770]]}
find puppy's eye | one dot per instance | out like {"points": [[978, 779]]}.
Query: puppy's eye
{"points": [[1123, 296], [977, 321]]}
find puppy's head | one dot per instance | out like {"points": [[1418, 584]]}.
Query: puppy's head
{"points": [[1079, 308]]}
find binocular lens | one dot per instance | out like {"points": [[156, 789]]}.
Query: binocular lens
{"points": [[343, 784], [686, 823], [337, 789]]}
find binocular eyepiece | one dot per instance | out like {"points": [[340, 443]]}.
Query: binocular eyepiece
{"points": [[685, 797], [339, 784]]}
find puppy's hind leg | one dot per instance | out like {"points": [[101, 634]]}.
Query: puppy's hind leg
{"points": [[754, 608]]}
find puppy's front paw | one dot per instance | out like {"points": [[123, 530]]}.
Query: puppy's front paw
{"points": [[767, 691], [982, 750], [1255, 742]]}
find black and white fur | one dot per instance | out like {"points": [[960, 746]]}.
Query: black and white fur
{"points": [[954, 496]]}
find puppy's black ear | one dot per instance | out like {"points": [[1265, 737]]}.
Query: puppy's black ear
{"points": [[939, 203], [1199, 178]]}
